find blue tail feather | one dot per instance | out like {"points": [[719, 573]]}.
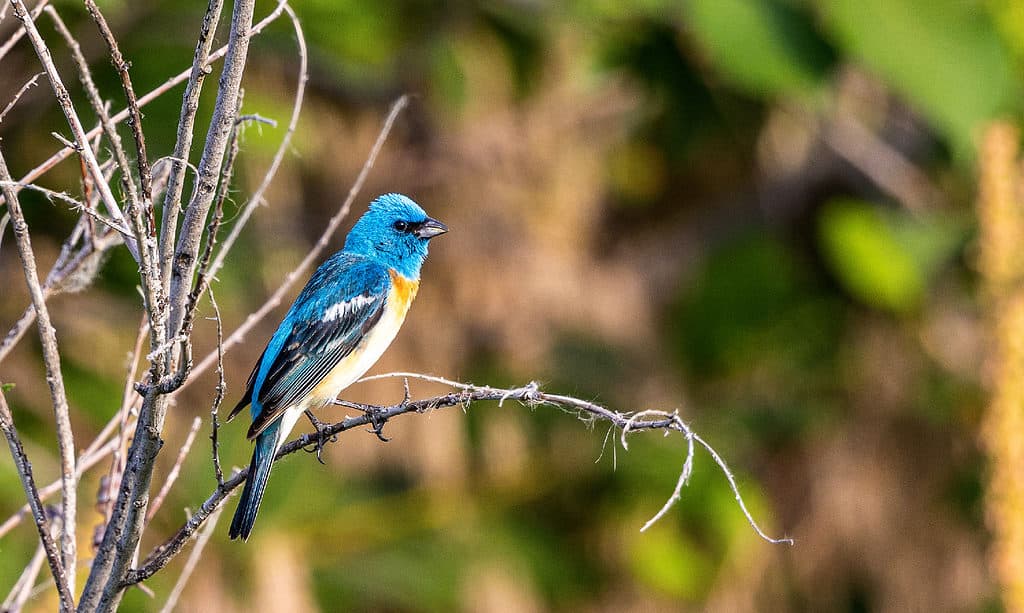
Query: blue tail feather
{"points": [[255, 483]]}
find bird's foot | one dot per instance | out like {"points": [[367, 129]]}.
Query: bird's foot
{"points": [[321, 436], [377, 421], [377, 416]]}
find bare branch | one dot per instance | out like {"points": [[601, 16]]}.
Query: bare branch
{"points": [[221, 126], [16, 36], [76, 204], [377, 416], [625, 422], [81, 139], [54, 378], [202, 274], [100, 108], [86, 461], [76, 273], [24, 468], [21, 92], [22, 589], [134, 115], [183, 144], [110, 483], [139, 212], [736, 493], [71, 272], [105, 585], [219, 396]]}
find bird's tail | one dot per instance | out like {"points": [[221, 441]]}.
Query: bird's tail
{"points": [[255, 483]]}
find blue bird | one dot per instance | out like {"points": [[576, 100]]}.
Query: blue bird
{"points": [[341, 323]]}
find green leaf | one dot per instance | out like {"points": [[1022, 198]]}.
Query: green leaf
{"points": [[885, 260], [945, 57], [764, 46], [6, 387]]}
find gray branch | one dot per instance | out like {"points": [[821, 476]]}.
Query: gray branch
{"points": [[183, 144], [105, 587], [24, 467], [54, 378]]}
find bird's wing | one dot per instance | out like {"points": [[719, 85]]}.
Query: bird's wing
{"points": [[318, 332]]}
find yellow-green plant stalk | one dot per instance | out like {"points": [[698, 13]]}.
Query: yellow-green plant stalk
{"points": [[1001, 263]]}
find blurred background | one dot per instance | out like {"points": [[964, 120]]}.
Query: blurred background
{"points": [[759, 212]]}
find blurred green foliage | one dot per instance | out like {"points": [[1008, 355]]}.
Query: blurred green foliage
{"points": [[791, 57], [886, 260]]}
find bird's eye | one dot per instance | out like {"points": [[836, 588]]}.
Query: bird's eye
{"points": [[401, 226]]}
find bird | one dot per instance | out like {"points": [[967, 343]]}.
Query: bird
{"points": [[339, 325]]}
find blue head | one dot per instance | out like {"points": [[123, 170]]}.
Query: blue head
{"points": [[395, 232]]}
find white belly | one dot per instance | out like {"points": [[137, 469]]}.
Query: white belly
{"points": [[353, 366]]}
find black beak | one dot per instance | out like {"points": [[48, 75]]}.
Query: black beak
{"points": [[430, 228]]}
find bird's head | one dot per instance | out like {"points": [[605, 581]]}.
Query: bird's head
{"points": [[395, 231]]}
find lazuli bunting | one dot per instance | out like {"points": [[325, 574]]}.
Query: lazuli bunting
{"points": [[341, 323]]}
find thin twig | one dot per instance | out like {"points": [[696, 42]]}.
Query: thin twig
{"points": [[218, 396], [175, 470], [134, 115], [125, 428], [77, 273], [140, 212], [81, 139], [299, 271], [100, 447], [22, 589], [4, 220], [736, 491], [54, 378], [24, 467], [21, 92], [76, 204], [17, 34], [86, 462], [100, 108]]}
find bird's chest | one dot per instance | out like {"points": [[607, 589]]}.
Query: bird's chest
{"points": [[373, 344]]}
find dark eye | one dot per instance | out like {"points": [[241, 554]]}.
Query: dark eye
{"points": [[401, 226]]}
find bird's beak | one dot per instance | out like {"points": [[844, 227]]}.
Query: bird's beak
{"points": [[431, 228]]}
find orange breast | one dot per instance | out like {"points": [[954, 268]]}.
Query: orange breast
{"points": [[403, 290]]}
